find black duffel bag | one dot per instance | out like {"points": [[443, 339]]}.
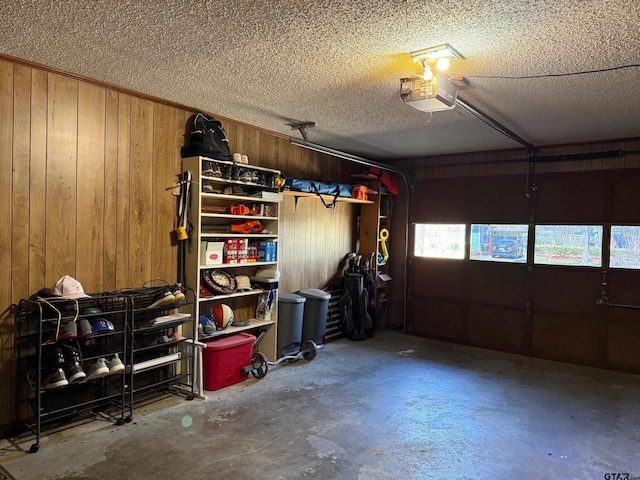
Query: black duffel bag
{"points": [[206, 139]]}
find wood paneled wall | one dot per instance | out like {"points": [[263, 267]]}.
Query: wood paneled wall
{"points": [[83, 174]]}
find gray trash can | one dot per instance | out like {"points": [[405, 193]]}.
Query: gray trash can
{"points": [[314, 321], [290, 316]]}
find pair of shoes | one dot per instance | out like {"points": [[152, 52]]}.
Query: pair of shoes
{"points": [[74, 372], [169, 295], [211, 169], [226, 171], [269, 180], [72, 330], [99, 369], [57, 363], [165, 297], [68, 362], [178, 292], [115, 364], [102, 367], [247, 175]]}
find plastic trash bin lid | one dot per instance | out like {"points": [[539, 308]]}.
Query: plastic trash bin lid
{"points": [[291, 298], [315, 294]]}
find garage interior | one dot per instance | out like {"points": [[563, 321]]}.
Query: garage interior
{"points": [[480, 367]]}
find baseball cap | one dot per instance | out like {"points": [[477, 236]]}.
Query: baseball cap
{"points": [[101, 325], [268, 272], [69, 287], [243, 283]]}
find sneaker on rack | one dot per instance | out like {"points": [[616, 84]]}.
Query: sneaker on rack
{"points": [[55, 379], [226, 172], [68, 331], [235, 172], [165, 297], [98, 369], [178, 292], [269, 180], [115, 365], [55, 358], [207, 168], [254, 176], [245, 175], [73, 372], [84, 328]]}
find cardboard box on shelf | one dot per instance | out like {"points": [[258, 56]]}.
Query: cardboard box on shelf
{"points": [[231, 251], [243, 244], [211, 253]]}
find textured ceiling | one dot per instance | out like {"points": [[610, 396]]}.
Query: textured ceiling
{"points": [[338, 63]]}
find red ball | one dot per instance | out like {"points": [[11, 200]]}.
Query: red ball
{"points": [[223, 315]]}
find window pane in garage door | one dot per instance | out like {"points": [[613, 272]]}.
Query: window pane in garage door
{"points": [[440, 240], [625, 247], [499, 243], [574, 245]]}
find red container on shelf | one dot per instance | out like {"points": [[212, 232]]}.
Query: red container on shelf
{"points": [[224, 358]]}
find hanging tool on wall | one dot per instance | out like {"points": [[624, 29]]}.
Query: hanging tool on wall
{"points": [[384, 256], [184, 200], [183, 206]]}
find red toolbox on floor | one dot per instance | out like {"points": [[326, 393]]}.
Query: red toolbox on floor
{"points": [[223, 359]]}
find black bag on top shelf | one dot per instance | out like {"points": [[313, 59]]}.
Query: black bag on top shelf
{"points": [[206, 139]]}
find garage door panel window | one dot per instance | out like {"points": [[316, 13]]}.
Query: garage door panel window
{"points": [[625, 247], [499, 243], [434, 240], [571, 245]]}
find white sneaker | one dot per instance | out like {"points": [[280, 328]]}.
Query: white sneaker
{"points": [[98, 370], [115, 365], [56, 379]]}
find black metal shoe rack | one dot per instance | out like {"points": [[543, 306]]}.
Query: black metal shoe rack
{"points": [[38, 322], [158, 358], [136, 340]]}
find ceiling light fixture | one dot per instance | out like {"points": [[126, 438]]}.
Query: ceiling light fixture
{"points": [[438, 57], [431, 91]]}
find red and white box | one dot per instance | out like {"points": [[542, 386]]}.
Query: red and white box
{"points": [[231, 251], [243, 250], [211, 253]]}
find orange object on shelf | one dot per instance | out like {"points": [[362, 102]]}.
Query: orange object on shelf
{"points": [[242, 210]]}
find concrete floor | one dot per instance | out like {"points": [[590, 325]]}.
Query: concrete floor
{"points": [[392, 407]]}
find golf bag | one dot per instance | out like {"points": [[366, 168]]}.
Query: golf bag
{"points": [[357, 307]]}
